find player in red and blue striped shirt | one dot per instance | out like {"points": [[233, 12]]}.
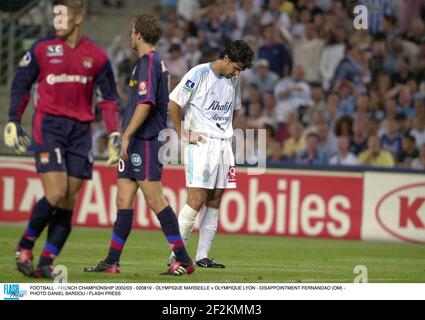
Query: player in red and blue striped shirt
{"points": [[144, 118]]}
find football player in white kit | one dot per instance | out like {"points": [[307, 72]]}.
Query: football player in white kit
{"points": [[211, 95]]}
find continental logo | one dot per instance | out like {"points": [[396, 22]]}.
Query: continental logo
{"points": [[66, 78]]}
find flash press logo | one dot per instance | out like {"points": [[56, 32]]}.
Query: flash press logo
{"points": [[13, 292]]}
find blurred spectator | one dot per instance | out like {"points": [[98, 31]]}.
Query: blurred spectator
{"points": [[391, 137], [256, 119], [390, 108], [409, 151], [332, 55], [246, 11], [362, 107], [343, 157], [176, 63], [419, 163], [312, 154], [359, 141], [193, 54], [275, 52], [405, 103], [261, 76], [276, 156], [187, 8], [372, 126], [318, 104], [347, 103], [292, 93], [344, 127], [374, 156], [296, 143], [328, 143], [216, 26], [307, 53], [418, 130], [403, 74], [416, 31], [273, 15], [251, 95], [352, 69], [269, 106]]}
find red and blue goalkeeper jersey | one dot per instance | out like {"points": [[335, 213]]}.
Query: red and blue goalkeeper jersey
{"points": [[65, 82]]}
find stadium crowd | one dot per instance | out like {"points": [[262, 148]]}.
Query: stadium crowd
{"points": [[326, 93]]}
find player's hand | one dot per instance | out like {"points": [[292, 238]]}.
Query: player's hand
{"points": [[114, 147], [196, 138], [16, 138], [124, 148]]}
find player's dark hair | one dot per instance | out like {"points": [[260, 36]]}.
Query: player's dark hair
{"points": [[77, 5], [239, 52], [149, 27]]}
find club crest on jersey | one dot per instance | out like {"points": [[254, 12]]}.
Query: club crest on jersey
{"points": [[136, 160], [44, 158], [26, 60], [55, 51], [189, 86], [143, 88], [88, 62]]}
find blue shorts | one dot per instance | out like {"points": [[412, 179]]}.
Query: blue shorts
{"points": [[143, 163], [62, 145]]}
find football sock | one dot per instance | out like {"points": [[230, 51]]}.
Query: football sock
{"points": [[187, 219], [170, 227], [60, 228], [122, 229], [40, 216], [207, 230]]}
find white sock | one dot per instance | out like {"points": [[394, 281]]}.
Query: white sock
{"points": [[207, 230], [187, 219]]}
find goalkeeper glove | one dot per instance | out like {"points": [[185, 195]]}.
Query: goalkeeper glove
{"points": [[16, 138], [114, 147]]}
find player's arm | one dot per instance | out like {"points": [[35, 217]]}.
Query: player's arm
{"points": [[238, 105], [139, 117], [108, 103], [235, 118], [179, 98], [26, 74], [176, 116]]}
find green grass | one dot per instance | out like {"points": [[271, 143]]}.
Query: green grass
{"points": [[249, 259]]}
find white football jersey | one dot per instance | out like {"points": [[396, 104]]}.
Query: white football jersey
{"points": [[210, 101]]}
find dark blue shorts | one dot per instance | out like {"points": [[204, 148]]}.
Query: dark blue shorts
{"points": [[143, 163], [62, 145]]}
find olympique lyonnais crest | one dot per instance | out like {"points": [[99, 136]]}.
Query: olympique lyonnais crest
{"points": [[88, 62], [44, 158]]}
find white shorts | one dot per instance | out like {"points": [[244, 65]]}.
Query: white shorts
{"points": [[210, 165]]}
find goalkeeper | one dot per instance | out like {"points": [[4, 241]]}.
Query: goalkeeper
{"points": [[66, 69]]}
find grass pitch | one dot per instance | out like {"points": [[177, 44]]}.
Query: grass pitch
{"points": [[248, 259]]}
